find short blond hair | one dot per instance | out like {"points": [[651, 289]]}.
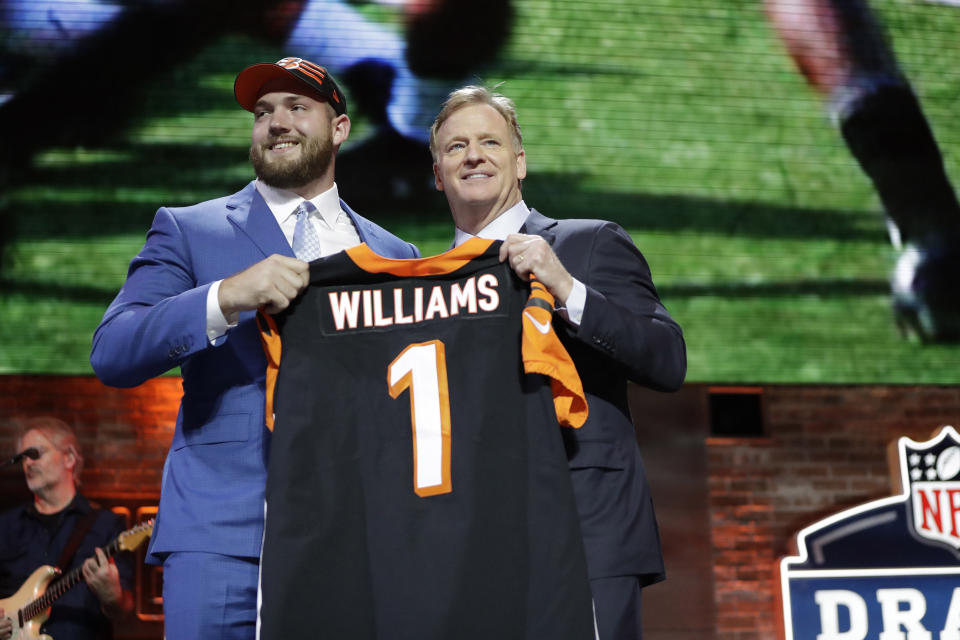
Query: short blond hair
{"points": [[471, 95], [59, 433]]}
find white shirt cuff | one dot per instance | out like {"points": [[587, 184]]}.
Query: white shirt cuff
{"points": [[217, 323], [572, 310]]}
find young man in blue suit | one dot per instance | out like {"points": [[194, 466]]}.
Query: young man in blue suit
{"points": [[613, 325], [190, 299]]}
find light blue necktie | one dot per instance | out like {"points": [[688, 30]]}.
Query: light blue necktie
{"points": [[306, 240]]}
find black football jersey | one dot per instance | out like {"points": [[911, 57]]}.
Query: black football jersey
{"points": [[418, 485]]}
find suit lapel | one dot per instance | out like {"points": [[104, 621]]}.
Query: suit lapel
{"points": [[250, 214], [540, 225], [368, 233]]}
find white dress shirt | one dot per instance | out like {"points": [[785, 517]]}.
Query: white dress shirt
{"points": [[333, 225], [511, 221]]}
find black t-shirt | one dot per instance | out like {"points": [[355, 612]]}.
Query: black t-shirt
{"points": [[29, 540]]}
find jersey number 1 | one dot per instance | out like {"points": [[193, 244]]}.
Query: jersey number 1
{"points": [[422, 368]]}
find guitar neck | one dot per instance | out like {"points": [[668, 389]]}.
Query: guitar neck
{"points": [[60, 586]]}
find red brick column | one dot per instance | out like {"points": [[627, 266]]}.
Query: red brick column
{"points": [[825, 450]]}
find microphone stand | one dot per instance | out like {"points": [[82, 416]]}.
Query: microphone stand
{"points": [[31, 453]]}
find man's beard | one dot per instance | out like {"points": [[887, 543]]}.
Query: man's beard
{"points": [[316, 154]]}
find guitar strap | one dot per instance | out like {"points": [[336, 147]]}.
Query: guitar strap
{"points": [[80, 530]]}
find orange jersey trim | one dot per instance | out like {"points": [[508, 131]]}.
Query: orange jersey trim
{"points": [[440, 264], [543, 353], [271, 343]]}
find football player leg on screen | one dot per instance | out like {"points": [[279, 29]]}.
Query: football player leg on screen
{"points": [[842, 51], [34, 32], [430, 55]]}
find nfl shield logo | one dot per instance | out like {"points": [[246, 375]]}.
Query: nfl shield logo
{"points": [[931, 472]]}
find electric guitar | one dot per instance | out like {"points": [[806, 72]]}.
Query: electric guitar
{"points": [[29, 607]]}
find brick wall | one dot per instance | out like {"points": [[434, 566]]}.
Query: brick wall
{"points": [[124, 433], [825, 449]]}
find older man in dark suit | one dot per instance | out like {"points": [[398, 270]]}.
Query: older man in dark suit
{"points": [[613, 325]]}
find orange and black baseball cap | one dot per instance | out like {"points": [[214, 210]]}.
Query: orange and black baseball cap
{"points": [[249, 81]]}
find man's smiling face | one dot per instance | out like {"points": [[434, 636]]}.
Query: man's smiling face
{"points": [[292, 140], [477, 166]]}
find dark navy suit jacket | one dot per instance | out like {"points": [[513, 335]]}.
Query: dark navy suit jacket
{"points": [[625, 334], [212, 494]]}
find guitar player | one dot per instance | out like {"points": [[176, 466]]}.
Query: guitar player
{"points": [[61, 528]]}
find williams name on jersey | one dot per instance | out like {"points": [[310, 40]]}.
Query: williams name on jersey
{"points": [[375, 308]]}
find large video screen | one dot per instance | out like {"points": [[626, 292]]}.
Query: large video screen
{"points": [[786, 166]]}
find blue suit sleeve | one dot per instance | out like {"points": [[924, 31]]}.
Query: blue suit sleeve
{"points": [[159, 316]]}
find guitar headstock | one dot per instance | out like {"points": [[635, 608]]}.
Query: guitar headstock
{"points": [[130, 539]]}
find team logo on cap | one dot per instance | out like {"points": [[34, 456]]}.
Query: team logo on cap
{"points": [[314, 71], [933, 471]]}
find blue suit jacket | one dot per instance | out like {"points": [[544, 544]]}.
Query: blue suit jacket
{"points": [[212, 494], [625, 334]]}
